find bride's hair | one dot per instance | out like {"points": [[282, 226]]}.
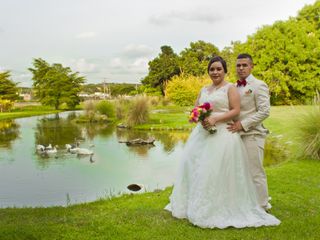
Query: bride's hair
{"points": [[218, 59]]}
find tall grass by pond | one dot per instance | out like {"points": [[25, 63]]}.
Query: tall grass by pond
{"points": [[138, 111], [309, 130]]}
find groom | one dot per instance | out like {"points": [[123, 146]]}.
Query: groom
{"points": [[255, 107]]}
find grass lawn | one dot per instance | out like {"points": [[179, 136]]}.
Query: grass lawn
{"points": [[27, 111], [293, 185]]}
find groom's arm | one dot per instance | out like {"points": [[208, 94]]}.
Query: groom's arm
{"points": [[262, 102]]}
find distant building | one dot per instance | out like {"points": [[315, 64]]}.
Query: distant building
{"points": [[96, 95], [25, 96]]}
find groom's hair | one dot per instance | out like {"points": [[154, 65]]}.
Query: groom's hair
{"points": [[245, 55], [218, 59]]}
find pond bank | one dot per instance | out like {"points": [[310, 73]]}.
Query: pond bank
{"points": [[22, 110]]}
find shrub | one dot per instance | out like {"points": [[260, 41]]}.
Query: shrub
{"points": [[275, 151], [183, 90], [309, 131], [106, 108], [154, 100], [122, 106], [139, 111], [165, 101], [5, 105], [90, 108]]}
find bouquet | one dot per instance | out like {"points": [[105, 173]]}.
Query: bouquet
{"points": [[200, 112]]}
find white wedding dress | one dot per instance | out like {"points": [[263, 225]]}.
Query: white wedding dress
{"points": [[213, 188]]}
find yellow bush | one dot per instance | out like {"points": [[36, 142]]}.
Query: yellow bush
{"points": [[183, 90], [5, 105]]}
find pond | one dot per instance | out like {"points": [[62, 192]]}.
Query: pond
{"points": [[29, 178]]}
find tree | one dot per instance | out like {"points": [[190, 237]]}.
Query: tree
{"points": [[229, 56], [117, 89], [162, 69], [290, 65], [55, 84], [8, 89], [194, 60], [311, 14]]}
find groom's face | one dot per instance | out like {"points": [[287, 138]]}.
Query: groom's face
{"points": [[244, 67]]}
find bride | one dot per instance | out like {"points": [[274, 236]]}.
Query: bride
{"points": [[213, 188]]}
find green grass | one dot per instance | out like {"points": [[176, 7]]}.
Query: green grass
{"points": [[27, 111], [294, 186], [168, 118]]}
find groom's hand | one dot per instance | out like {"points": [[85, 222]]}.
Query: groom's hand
{"points": [[235, 127]]}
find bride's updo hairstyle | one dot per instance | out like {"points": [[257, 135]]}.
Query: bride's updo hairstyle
{"points": [[218, 59]]}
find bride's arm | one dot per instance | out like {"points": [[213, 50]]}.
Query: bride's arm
{"points": [[234, 108]]}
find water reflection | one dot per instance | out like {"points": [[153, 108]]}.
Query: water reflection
{"points": [[168, 140], [127, 135], [56, 131], [171, 139], [61, 131], [90, 131], [9, 131]]}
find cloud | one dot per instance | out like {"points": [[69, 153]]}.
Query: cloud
{"points": [[82, 65], [1, 30], [86, 35], [132, 60], [116, 63], [22, 78], [137, 50], [121, 66], [140, 65], [200, 14]]}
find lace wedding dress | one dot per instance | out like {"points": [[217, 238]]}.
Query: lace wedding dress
{"points": [[213, 188]]}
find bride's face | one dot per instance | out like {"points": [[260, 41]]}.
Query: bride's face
{"points": [[216, 73]]}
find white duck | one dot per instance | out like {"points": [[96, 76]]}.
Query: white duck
{"points": [[49, 147], [50, 151], [84, 151], [40, 148], [79, 151]]}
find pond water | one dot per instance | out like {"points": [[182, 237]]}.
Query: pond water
{"points": [[28, 178]]}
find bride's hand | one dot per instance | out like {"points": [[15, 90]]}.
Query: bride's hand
{"points": [[209, 122]]}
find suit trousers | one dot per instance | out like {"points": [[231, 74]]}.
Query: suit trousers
{"points": [[255, 148]]}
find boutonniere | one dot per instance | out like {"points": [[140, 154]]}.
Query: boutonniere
{"points": [[249, 91]]}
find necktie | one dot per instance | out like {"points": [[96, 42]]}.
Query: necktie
{"points": [[241, 83]]}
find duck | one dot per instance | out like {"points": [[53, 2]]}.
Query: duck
{"points": [[69, 146], [51, 151], [40, 148], [49, 147], [77, 150], [84, 151]]}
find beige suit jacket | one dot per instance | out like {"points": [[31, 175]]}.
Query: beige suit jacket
{"points": [[255, 106]]}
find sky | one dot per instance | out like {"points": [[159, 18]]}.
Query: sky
{"points": [[113, 40]]}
